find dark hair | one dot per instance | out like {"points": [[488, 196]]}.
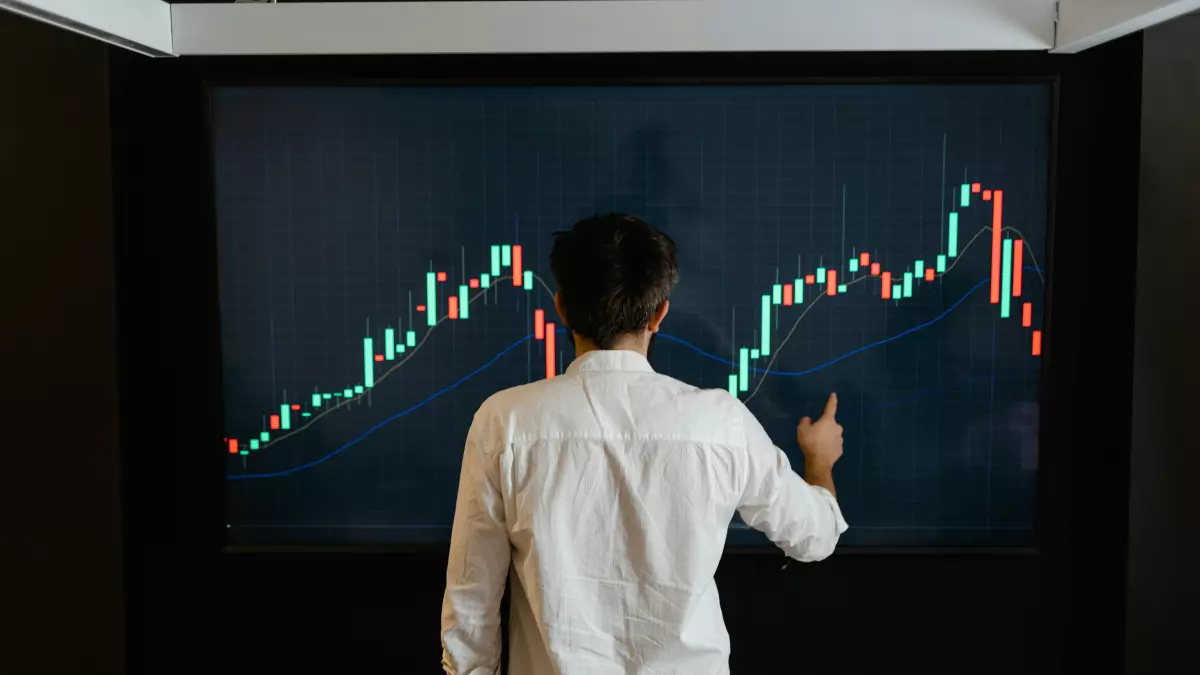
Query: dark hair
{"points": [[613, 272]]}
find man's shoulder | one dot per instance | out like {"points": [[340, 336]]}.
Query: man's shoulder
{"points": [[515, 397], [504, 404], [710, 412], [661, 402], [712, 402], [538, 392]]}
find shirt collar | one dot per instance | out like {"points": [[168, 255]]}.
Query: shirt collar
{"points": [[610, 360]]}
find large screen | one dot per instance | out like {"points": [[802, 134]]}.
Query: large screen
{"points": [[383, 270]]}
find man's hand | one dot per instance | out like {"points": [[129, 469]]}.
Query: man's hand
{"points": [[821, 443]]}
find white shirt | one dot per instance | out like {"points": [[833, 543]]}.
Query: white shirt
{"points": [[610, 490]]}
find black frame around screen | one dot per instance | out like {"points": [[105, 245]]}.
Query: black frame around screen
{"points": [[1054, 610]]}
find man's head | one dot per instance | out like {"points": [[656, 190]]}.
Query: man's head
{"points": [[614, 274]]}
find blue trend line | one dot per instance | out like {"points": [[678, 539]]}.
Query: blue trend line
{"points": [[847, 355], [941, 316], [384, 423], [701, 352], [886, 340], [667, 336]]}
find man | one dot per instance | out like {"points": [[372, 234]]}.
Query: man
{"points": [[610, 489]]}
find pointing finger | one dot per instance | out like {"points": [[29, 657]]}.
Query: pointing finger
{"points": [[830, 407]]}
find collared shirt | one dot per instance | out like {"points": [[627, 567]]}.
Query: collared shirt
{"points": [[609, 492]]}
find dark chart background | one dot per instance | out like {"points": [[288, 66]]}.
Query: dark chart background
{"points": [[334, 203]]}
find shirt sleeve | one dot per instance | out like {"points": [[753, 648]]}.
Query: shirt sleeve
{"points": [[477, 570], [803, 520]]}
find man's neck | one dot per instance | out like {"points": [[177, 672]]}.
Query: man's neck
{"points": [[630, 343]]}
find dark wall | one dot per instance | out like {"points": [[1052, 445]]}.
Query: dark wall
{"points": [[1164, 549], [62, 555]]}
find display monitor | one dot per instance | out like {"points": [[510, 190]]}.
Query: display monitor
{"points": [[383, 255]]}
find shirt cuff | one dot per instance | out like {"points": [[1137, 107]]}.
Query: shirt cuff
{"points": [[832, 501]]}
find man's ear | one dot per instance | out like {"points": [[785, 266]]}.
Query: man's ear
{"points": [[659, 314], [558, 308]]}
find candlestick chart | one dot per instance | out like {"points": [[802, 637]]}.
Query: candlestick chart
{"points": [[383, 270]]}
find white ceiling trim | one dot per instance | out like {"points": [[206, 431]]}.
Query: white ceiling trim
{"points": [[1086, 23], [598, 26], [143, 26], [157, 28]]}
